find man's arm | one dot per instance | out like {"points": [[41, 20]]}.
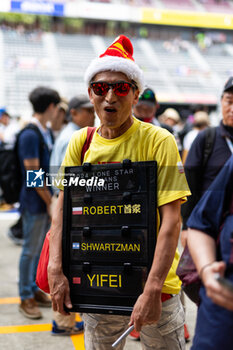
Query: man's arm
{"points": [[203, 250], [147, 309], [58, 283]]}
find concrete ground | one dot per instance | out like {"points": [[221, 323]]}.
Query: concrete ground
{"points": [[19, 333]]}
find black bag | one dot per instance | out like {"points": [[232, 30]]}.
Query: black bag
{"points": [[188, 274], [10, 171]]}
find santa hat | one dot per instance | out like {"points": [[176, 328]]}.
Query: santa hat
{"points": [[117, 58]]}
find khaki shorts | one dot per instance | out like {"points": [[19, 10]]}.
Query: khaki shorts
{"points": [[101, 331]]}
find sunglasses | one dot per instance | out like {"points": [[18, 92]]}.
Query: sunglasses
{"points": [[120, 88]]}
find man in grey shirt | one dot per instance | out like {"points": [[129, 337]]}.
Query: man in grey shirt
{"points": [[80, 115]]}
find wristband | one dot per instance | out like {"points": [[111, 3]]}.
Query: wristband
{"points": [[203, 268]]}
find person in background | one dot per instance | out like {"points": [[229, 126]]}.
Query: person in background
{"points": [[15, 232], [34, 147], [147, 107], [200, 122], [172, 118], [220, 149], [212, 253], [80, 114], [200, 177], [9, 128], [59, 119], [114, 83]]}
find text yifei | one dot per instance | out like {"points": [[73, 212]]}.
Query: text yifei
{"points": [[103, 280]]}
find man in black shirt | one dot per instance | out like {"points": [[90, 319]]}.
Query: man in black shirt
{"points": [[200, 173]]}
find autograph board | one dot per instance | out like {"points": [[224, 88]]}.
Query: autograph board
{"points": [[109, 234]]}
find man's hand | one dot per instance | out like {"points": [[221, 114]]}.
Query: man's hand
{"points": [[147, 310], [58, 283], [59, 291], [219, 294]]}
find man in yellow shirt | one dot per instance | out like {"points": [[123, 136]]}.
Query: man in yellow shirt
{"points": [[114, 84]]}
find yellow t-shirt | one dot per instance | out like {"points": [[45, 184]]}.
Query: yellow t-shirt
{"points": [[141, 142]]}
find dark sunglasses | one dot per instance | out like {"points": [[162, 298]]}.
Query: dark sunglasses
{"points": [[120, 89]]}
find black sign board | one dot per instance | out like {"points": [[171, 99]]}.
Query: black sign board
{"points": [[109, 234]]}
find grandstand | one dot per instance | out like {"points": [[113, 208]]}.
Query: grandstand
{"points": [[185, 75], [181, 69], [216, 6]]}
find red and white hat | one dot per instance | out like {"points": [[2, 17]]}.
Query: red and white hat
{"points": [[117, 58]]}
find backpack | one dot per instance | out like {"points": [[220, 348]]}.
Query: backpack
{"points": [[209, 144], [194, 176], [10, 171]]}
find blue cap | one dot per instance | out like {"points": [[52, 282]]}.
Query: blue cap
{"points": [[2, 110], [148, 97]]}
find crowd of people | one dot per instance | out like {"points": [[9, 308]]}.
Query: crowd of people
{"points": [[130, 128]]}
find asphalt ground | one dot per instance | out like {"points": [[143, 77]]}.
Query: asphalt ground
{"points": [[20, 333]]}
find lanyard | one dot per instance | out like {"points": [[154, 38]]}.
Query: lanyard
{"points": [[45, 133], [230, 144]]}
